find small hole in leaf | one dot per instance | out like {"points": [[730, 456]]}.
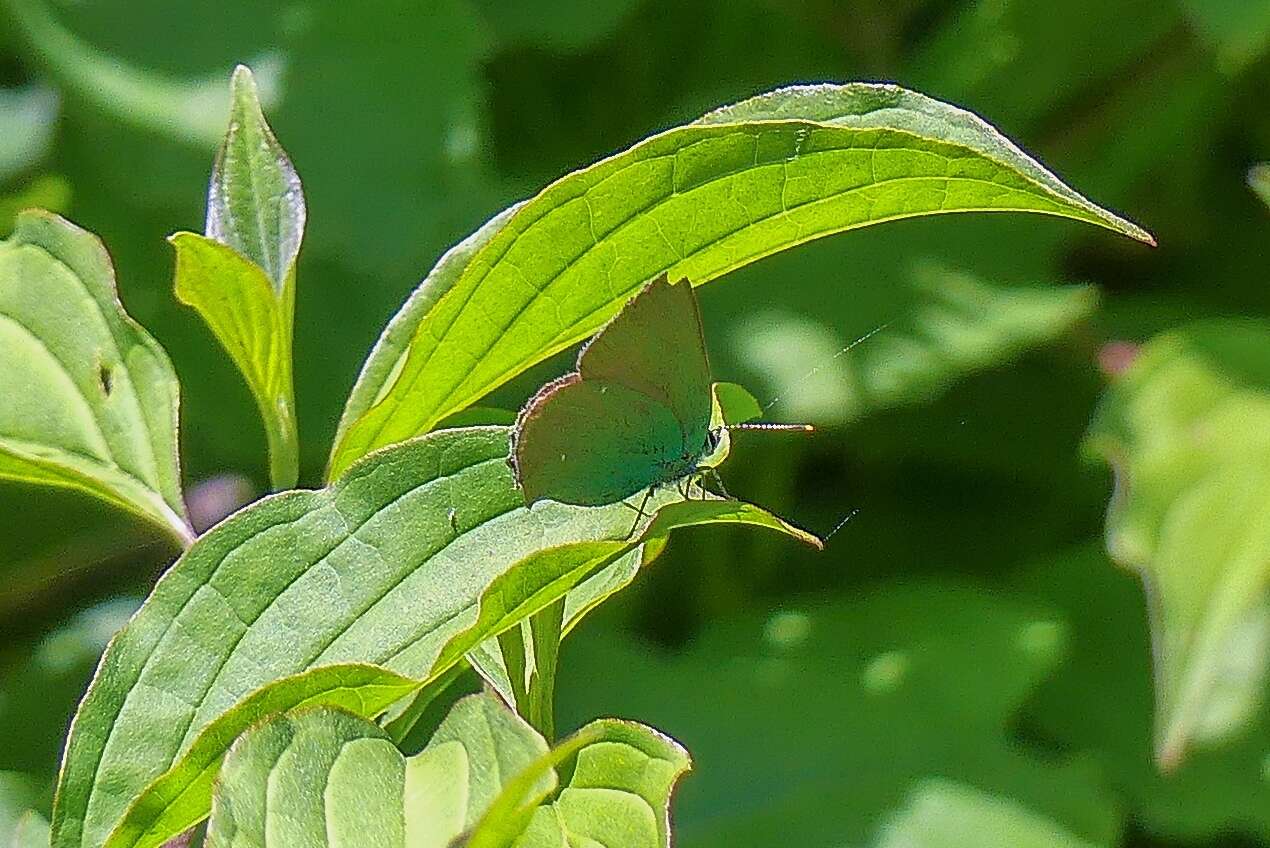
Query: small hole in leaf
{"points": [[106, 377]]}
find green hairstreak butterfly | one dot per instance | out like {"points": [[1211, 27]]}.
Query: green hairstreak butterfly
{"points": [[635, 414]]}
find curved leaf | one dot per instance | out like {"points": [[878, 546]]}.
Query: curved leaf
{"points": [[391, 565], [324, 777], [618, 791], [696, 201], [90, 397], [329, 778], [241, 275], [1187, 429]]}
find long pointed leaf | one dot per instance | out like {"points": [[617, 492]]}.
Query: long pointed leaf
{"points": [[696, 201]]}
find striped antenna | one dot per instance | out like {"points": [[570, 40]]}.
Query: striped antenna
{"points": [[850, 515], [767, 425], [813, 372]]}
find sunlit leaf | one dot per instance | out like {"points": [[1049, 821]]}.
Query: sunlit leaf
{"points": [[620, 779], [90, 397], [696, 201], [240, 276], [414, 558], [325, 777], [1187, 430]]}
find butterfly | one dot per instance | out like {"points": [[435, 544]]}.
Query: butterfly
{"points": [[634, 415]]}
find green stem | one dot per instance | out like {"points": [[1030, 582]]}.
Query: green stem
{"points": [[284, 445], [545, 628]]}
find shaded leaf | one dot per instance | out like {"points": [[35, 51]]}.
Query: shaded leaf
{"points": [[32, 831], [958, 325], [1213, 792], [944, 814], [91, 398], [856, 701], [18, 793], [1187, 429], [773, 172], [188, 110], [1259, 179], [27, 116], [241, 275]]}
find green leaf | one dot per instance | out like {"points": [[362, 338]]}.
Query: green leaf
{"points": [[91, 398], [241, 275], [1259, 179], [325, 777], [397, 564], [858, 701], [178, 799], [1187, 429], [945, 814], [621, 776], [696, 201], [958, 325]]}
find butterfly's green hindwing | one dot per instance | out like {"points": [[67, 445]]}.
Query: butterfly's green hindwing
{"points": [[635, 414]]}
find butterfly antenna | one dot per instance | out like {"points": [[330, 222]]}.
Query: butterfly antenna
{"points": [[765, 425], [813, 372], [850, 515]]}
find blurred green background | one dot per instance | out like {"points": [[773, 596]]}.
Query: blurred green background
{"points": [[964, 632]]}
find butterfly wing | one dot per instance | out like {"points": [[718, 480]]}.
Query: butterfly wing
{"points": [[634, 414], [656, 347], [594, 442]]}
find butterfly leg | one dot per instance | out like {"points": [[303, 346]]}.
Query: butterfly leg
{"points": [[640, 514], [713, 474]]}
